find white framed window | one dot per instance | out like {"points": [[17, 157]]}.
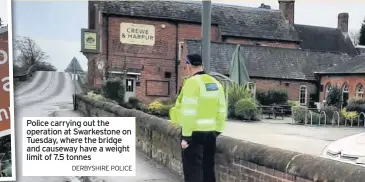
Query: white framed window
{"points": [[303, 95], [360, 91], [345, 88], [327, 91], [345, 94], [129, 85], [181, 47]]}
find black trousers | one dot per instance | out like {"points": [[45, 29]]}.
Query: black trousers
{"points": [[198, 159]]}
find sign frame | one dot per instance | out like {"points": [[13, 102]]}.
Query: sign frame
{"points": [[97, 42], [124, 26]]}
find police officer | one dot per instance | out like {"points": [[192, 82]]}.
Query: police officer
{"points": [[201, 111]]}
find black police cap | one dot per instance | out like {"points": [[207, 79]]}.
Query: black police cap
{"points": [[194, 59]]}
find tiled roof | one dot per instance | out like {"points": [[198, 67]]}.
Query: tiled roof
{"points": [[232, 20], [237, 21], [355, 65], [324, 39], [271, 62]]}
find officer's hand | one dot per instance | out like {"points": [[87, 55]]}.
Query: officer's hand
{"points": [[184, 144]]}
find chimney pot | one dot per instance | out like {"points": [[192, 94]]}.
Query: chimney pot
{"points": [[287, 8], [343, 22]]}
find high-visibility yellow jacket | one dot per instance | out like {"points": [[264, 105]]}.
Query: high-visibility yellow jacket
{"points": [[200, 106]]}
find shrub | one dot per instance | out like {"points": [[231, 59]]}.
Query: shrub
{"points": [[94, 96], [272, 96], [155, 107], [292, 103], [114, 89], [143, 108], [349, 115], [134, 102], [277, 96], [237, 92], [97, 91], [315, 118], [167, 101], [334, 97], [303, 116], [300, 114], [126, 105], [246, 109], [355, 100], [330, 111], [357, 105], [354, 106], [261, 97], [165, 110]]}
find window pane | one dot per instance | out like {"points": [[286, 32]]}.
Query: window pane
{"points": [[302, 98], [129, 85], [345, 88], [359, 91]]}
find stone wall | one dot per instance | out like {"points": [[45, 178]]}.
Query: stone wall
{"points": [[236, 160]]}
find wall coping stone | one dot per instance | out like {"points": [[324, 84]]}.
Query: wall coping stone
{"points": [[306, 166]]}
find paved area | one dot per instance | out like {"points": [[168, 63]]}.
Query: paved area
{"points": [[281, 134], [52, 91]]}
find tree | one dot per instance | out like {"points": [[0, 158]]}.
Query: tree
{"points": [[334, 97], [30, 51], [44, 66], [362, 34], [354, 36]]}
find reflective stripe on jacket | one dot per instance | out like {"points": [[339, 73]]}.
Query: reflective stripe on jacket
{"points": [[201, 105]]}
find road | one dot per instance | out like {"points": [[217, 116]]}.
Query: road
{"points": [[281, 134], [48, 92]]}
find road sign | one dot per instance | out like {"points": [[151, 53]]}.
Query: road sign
{"points": [[74, 77]]}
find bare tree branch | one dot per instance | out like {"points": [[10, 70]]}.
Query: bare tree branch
{"points": [[30, 51], [30, 54], [354, 36]]}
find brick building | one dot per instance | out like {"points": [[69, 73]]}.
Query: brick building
{"points": [[348, 76], [292, 70], [153, 66]]}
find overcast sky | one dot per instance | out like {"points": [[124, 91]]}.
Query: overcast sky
{"points": [[56, 26], [4, 11]]}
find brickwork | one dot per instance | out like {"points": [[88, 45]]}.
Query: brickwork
{"points": [[236, 160], [292, 87], [153, 61], [339, 81]]}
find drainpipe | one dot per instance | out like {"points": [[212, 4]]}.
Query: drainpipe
{"points": [[177, 63], [107, 47]]}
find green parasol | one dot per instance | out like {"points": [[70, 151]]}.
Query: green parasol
{"points": [[238, 71]]}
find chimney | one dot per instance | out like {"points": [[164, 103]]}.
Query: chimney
{"points": [[264, 6], [343, 22], [287, 8]]}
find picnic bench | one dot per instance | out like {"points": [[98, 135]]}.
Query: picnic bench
{"points": [[275, 110]]}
